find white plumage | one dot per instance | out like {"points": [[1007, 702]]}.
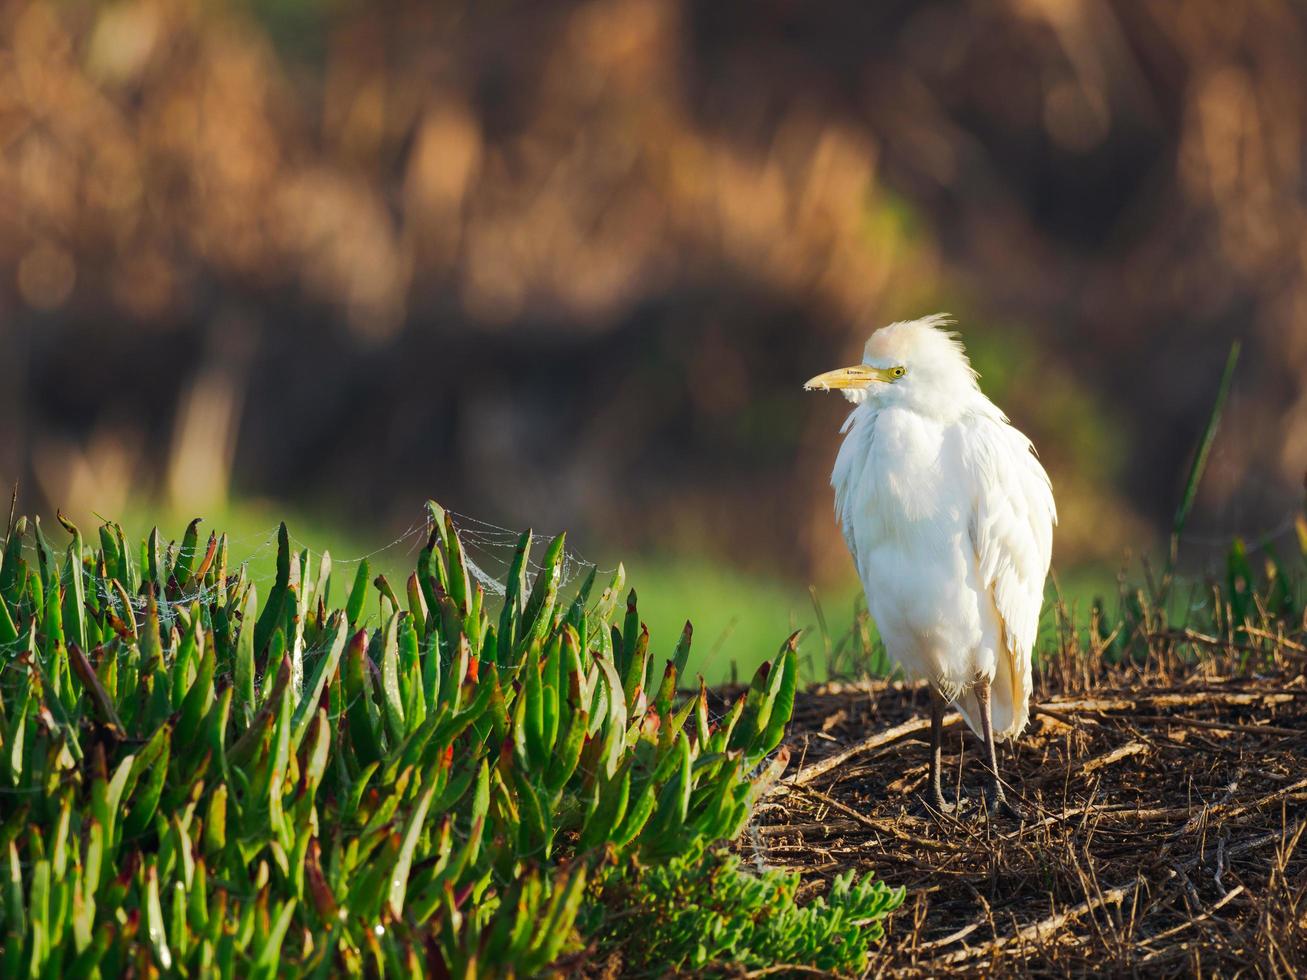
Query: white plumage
{"points": [[949, 518]]}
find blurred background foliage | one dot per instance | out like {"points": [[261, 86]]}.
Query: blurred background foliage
{"points": [[566, 264]]}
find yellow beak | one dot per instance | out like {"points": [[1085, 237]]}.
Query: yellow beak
{"points": [[857, 377]]}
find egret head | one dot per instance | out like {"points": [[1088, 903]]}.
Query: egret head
{"points": [[916, 362]]}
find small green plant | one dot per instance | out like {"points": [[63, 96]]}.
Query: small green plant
{"points": [[710, 914], [194, 782]]}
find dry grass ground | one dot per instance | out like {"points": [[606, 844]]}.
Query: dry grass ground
{"points": [[1165, 805]]}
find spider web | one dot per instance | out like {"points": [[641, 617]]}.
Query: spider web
{"points": [[488, 551]]}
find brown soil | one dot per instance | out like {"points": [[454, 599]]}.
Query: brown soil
{"points": [[1164, 805]]}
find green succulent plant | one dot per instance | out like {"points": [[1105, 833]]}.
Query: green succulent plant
{"points": [[710, 914], [194, 782]]}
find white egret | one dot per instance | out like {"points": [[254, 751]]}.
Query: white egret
{"points": [[949, 517]]}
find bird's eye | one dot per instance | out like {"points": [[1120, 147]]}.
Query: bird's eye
{"points": [[897, 372]]}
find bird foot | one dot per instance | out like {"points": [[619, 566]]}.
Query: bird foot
{"points": [[999, 805], [933, 804]]}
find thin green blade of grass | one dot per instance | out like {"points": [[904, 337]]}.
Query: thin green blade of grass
{"points": [[1204, 450]]}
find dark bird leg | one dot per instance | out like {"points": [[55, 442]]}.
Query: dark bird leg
{"points": [[935, 796], [998, 801]]}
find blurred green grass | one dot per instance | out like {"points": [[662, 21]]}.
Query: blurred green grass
{"points": [[739, 619]]}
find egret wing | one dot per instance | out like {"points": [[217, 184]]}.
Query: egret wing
{"points": [[1011, 530], [850, 477]]}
